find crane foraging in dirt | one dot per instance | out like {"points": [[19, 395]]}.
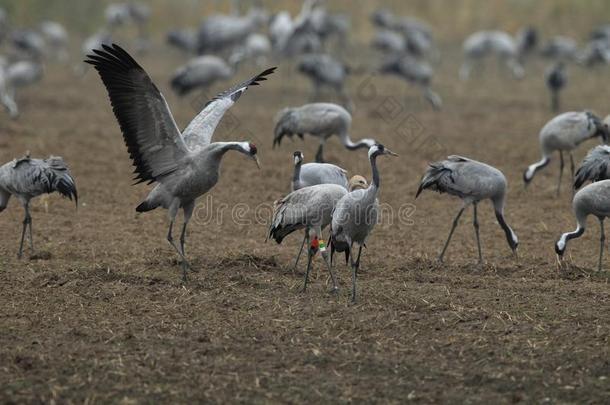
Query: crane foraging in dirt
{"points": [[27, 178], [564, 133], [321, 120], [593, 199], [472, 181], [185, 164]]}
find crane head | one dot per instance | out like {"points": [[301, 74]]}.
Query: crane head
{"points": [[298, 157]]}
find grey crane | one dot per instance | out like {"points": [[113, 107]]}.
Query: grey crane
{"points": [[308, 208], [186, 165], [356, 215], [594, 167], [416, 34], [415, 71], [472, 181], [221, 32], [310, 174], [483, 43], [559, 47], [564, 133], [56, 39], [325, 71], [593, 199], [555, 78], [200, 72], [184, 39], [14, 76], [256, 47], [321, 120], [29, 42], [27, 178], [389, 42]]}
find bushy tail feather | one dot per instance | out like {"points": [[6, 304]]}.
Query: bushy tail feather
{"points": [[146, 206], [432, 178], [590, 172], [60, 179]]}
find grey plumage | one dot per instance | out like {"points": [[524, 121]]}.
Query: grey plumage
{"points": [[221, 32], [310, 174], [308, 208], [593, 199], [472, 181], [559, 47], [485, 43], [28, 178], [564, 133], [321, 120], [183, 39], [186, 165], [414, 71], [15, 76], [356, 215], [200, 72], [56, 39], [325, 71], [594, 167]]}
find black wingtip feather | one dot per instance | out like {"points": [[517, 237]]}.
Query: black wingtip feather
{"points": [[234, 92]]}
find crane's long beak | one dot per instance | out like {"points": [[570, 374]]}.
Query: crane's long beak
{"points": [[258, 164], [389, 152]]}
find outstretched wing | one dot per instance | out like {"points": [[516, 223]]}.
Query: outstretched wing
{"points": [[199, 132], [149, 130]]}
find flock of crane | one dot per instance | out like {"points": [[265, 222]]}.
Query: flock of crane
{"points": [[185, 164]]}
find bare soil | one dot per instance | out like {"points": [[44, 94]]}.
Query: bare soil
{"points": [[100, 314]]}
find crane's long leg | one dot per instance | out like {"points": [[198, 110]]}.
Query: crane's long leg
{"points": [[572, 169], [560, 172], [172, 213], [188, 213], [475, 223], [355, 267], [324, 253], [27, 220], [320, 153], [602, 239], [309, 257], [555, 100], [455, 222], [296, 262]]}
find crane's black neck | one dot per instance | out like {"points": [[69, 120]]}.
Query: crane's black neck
{"points": [[507, 229], [376, 179], [296, 177]]}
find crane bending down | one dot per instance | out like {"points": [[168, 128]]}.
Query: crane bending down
{"points": [[27, 178], [593, 199], [356, 216], [564, 133], [321, 120], [308, 208], [473, 182], [186, 165]]}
